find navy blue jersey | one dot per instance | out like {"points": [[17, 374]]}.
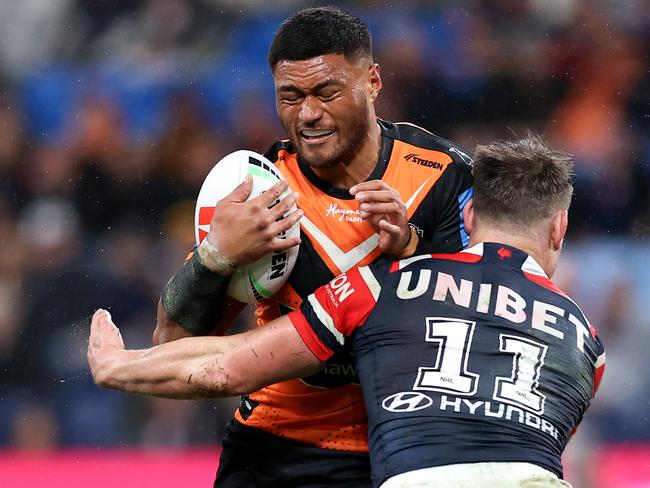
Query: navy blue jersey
{"points": [[467, 357]]}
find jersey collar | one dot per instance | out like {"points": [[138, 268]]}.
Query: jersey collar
{"points": [[529, 265]]}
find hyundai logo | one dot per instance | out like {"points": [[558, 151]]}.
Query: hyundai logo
{"points": [[406, 401]]}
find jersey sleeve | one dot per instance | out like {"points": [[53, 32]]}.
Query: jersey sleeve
{"points": [[600, 360], [450, 196], [330, 315]]}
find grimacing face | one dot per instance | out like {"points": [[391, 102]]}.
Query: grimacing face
{"points": [[325, 104]]}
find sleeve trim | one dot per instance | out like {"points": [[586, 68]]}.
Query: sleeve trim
{"points": [[325, 318], [309, 337]]}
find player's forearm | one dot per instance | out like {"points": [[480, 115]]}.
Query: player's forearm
{"points": [[193, 300], [167, 330], [186, 368]]}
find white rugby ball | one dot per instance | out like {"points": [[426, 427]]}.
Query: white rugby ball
{"points": [[261, 279]]}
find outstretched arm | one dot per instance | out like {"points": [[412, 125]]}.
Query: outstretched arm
{"points": [[199, 367]]}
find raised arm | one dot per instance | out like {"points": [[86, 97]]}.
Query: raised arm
{"points": [[199, 367], [194, 302]]}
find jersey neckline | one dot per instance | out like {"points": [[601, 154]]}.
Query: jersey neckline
{"points": [[530, 265]]}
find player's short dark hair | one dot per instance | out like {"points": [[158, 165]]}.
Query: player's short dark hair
{"points": [[521, 182], [317, 31]]}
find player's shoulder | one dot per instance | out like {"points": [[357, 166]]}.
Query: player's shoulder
{"points": [[543, 286], [420, 137], [430, 261], [280, 150]]}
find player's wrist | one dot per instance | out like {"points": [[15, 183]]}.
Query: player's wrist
{"points": [[411, 244], [213, 259], [108, 366]]}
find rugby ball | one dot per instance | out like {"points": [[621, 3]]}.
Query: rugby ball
{"points": [[261, 279]]}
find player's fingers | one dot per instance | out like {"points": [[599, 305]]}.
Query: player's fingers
{"points": [[269, 197], [106, 322], [95, 339], [284, 224], [278, 244], [382, 208], [99, 317], [371, 185], [389, 228], [277, 211], [377, 196], [372, 220], [241, 191], [105, 329]]}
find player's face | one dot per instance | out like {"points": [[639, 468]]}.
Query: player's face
{"points": [[326, 106]]}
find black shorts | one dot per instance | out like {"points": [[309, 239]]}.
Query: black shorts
{"points": [[254, 458]]}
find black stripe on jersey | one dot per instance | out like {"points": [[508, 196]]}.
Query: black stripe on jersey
{"points": [[417, 136], [447, 236], [310, 271], [325, 335], [444, 212], [272, 153]]}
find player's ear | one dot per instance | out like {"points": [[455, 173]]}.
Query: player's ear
{"points": [[559, 225], [375, 80], [468, 216]]}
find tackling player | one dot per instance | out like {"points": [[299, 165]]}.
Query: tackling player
{"points": [[475, 368], [367, 187]]}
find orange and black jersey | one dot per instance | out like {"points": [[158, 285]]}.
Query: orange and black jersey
{"points": [[433, 178]]}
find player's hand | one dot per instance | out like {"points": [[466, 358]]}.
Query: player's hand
{"points": [[382, 207], [104, 346], [244, 231]]}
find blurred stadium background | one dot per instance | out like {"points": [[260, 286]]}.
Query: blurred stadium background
{"points": [[112, 112]]}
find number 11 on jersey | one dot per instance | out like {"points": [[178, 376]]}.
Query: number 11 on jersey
{"points": [[449, 373]]}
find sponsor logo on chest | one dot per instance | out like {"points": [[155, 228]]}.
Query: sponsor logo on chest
{"points": [[343, 214], [415, 158]]}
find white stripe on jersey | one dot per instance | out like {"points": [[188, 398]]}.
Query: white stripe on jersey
{"points": [[343, 260], [371, 281], [403, 263], [325, 318], [531, 266], [475, 249]]}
